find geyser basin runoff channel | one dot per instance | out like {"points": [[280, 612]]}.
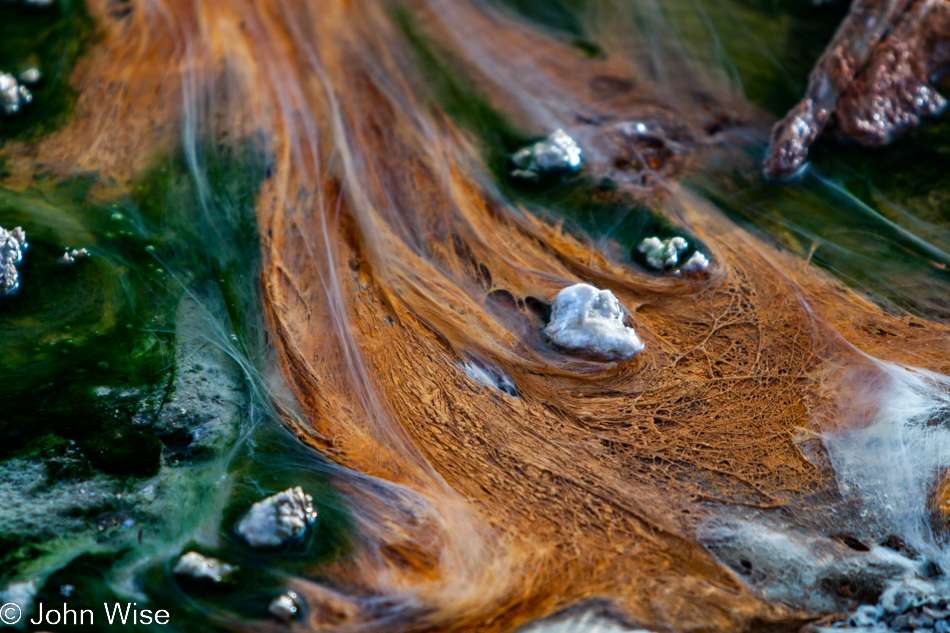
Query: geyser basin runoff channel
{"points": [[467, 315]]}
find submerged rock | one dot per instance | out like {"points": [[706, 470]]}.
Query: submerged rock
{"points": [[200, 567], [924, 614], [587, 319], [278, 519], [820, 574], [284, 607], [556, 154], [71, 256], [201, 412], [13, 96], [12, 245]]}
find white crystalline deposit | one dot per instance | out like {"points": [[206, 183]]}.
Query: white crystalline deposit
{"points": [[557, 153], [201, 567], [590, 320], [12, 244], [665, 255], [662, 254], [71, 256], [697, 263], [284, 606], [13, 96], [277, 519], [30, 76]]}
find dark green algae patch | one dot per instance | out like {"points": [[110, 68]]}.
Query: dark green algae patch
{"points": [[109, 486], [49, 38], [766, 48], [83, 345], [70, 330], [88, 358], [838, 218]]}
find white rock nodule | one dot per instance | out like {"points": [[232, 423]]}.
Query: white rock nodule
{"points": [[12, 244], [71, 256], [277, 519], [13, 96], [555, 154], [201, 567], [697, 263], [587, 319], [284, 607], [30, 76]]}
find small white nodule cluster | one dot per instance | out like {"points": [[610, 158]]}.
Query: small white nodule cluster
{"points": [[200, 567], [278, 519], [665, 255], [587, 319], [71, 256], [13, 95], [12, 245], [557, 153], [284, 607]]}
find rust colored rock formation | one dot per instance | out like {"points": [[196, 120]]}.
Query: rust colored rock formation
{"points": [[873, 81]]}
